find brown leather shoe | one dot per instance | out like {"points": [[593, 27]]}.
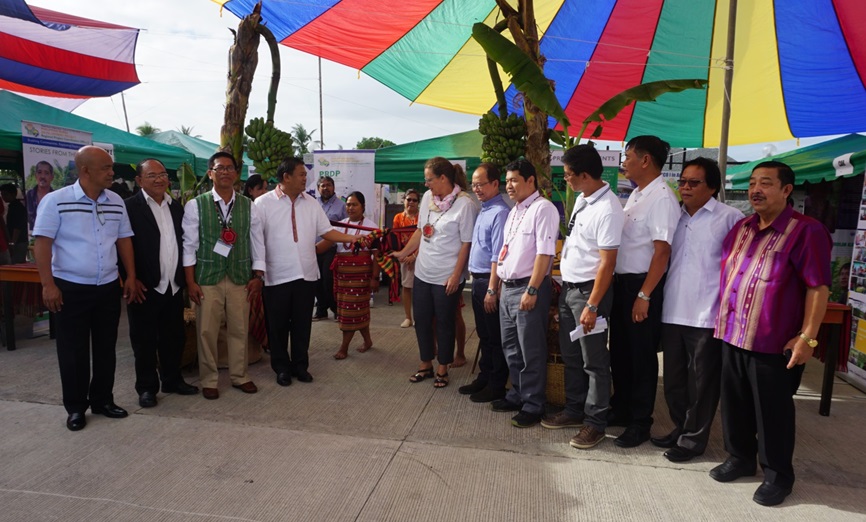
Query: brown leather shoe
{"points": [[247, 387], [210, 393]]}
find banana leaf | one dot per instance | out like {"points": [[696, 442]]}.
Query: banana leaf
{"points": [[643, 92], [525, 74]]}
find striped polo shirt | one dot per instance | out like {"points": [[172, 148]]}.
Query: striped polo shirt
{"points": [[85, 233]]}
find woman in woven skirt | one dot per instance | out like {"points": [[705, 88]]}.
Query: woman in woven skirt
{"points": [[355, 275], [446, 219], [254, 187]]}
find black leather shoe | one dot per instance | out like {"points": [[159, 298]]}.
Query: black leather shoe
{"points": [[488, 395], [632, 437], [110, 410], [473, 387], [181, 388], [76, 421], [668, 441], [681, 454], [770, 494], [147, 400], [303, 376], [505, 405], [525, 420], [732, 470], [284, 379]]}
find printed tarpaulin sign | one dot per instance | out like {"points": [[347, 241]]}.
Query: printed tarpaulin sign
{"points": [[54, 149]]}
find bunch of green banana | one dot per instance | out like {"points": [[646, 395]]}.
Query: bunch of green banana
{"points": [[504, 139], [267, 146]]}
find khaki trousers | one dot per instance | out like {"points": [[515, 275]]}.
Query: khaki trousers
{"points": [[223, 302]]}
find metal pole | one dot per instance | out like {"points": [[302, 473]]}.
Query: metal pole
{"points": [[321, 119], [726, 105], [125, 117]]}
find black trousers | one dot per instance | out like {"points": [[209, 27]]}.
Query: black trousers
{"points": [[693, 370], [429, 301], [287, 313], [157, 335], [87, 322], [758, 410], [634, 366], [325, 285], [492, 368]]}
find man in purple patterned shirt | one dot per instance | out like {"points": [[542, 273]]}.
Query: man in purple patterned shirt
{"points": [[774, 289]]}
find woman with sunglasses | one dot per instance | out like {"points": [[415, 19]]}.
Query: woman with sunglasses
{"points": [[408, 218], [446, 219]]}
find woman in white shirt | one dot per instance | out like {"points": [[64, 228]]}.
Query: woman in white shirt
{"points": [[355, 275], [446, 218]]}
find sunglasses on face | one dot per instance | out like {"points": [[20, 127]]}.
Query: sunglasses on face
{"points": [[411, 200], [693, 183]]}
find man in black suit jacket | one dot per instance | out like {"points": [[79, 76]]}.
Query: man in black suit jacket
{"points": [[156, 324]]}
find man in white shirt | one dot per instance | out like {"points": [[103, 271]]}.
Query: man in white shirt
{"points": [[524, 294], [651, 216], [692, 356], [588, 259], [156, 329], [292, 220]]}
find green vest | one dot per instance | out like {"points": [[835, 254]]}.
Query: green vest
{"points": [[210, 267]]}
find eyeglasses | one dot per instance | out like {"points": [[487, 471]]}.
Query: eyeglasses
{"points": [[428, 181], [411, 200], [693, 183], [151, 177], [222, 169], [479, 185]]}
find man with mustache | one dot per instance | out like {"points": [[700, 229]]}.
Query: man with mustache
{"points": [[774, 289]]}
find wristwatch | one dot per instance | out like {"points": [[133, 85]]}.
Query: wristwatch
{"points": [[643, 296], [491, 291], [531, 290], [592, 308], [811, 342]]}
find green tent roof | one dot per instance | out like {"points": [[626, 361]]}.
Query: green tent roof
{"points": [[405, 163], [202, 149], [811, 164], [128, 148]]}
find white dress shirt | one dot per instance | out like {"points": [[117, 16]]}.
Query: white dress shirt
{"points": [[190, 231], [167, 243], [651, 215], [692, 286], [284, 259], [598, 222]]}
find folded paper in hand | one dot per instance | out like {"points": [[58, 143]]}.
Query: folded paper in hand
{"points": [[600, 326]]}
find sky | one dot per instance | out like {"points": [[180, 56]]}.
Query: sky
{"points": [[181, 58]]}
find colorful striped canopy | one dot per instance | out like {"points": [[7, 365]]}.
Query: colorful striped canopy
{"points": [[55, 55], [799, 65]]}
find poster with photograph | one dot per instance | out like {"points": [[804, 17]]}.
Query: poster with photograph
{"points": [[49, 153], [856, 299]]}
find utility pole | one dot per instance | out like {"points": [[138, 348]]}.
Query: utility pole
{"points": [[125, 117], [321, 119]]}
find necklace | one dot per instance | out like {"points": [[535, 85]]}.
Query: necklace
{"points": [[430, 228], [513, 229], [227, 235]]}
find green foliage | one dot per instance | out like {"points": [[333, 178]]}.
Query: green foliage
{"points": [[146, 129], [302, 138], [525, 74], [373, 143], [190, 186]]}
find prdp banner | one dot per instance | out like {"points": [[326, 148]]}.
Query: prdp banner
{"points": [[51, 150], [351, 170]]}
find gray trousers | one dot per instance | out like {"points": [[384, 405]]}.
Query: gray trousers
{"points": [[692, 376], [524, 341], [587, 360]]}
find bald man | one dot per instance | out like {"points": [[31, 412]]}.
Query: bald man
{"points": [[80, 230]]}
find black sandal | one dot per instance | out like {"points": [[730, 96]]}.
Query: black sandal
{"points": [[440, 381], [420, 375]]}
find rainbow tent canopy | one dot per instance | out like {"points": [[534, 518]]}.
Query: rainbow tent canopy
{"points": [[800, 65], [54, 55]]}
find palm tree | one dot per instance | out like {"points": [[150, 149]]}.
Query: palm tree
{"points": [[188, 131], [146, 129], [303, 138]]}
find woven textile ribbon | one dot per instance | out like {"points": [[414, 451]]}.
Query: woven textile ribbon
{"points": [[384, 241]]}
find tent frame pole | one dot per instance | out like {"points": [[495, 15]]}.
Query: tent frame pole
{"points": [[726, 105]]}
